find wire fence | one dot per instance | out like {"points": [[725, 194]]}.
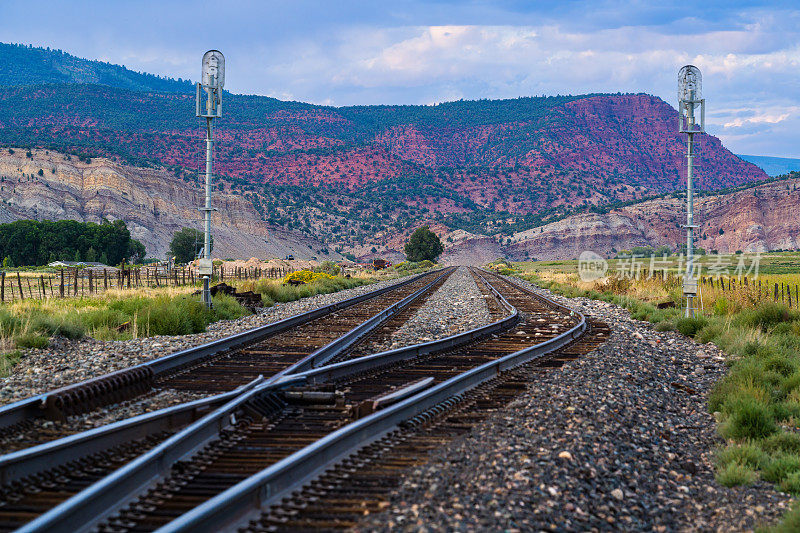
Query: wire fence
{"points": [[75, 282], [785, 293]]}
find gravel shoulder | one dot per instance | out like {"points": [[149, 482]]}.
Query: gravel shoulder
{"points": [[618, 440], [65, 362]]}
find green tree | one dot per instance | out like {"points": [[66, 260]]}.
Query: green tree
{"points": [[7, 263], [91, 255], [186, 244], [663, 250], [77, 257], [423, 245], [136, 251], [104, 258]]}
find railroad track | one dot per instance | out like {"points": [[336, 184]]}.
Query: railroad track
{"points": [[277, 423], [25, 473], [220, 366]]}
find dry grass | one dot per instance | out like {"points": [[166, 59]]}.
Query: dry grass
{"points": [[114, 315]]}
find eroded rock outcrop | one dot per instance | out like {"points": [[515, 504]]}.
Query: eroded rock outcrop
{"points": [[154, 203]]}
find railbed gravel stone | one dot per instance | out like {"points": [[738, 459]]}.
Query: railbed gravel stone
{"points": [[620, 439], [457, 306], [65, 362]]}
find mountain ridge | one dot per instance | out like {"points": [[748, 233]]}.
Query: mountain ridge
{"points": [[355, 176], [22, 65]]}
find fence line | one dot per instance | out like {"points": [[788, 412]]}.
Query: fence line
{"points": [[73, 282], [779, 292]]}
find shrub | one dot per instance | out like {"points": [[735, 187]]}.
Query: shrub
{"points": [[780, 466], [747, 453], [782, 442], [690, 326], [329, 267], [782, 411], [790, 522], [306, 276], [666, 325], [735, 474], [784, 365], [721, 306], [766, 315], [31, 340], [748, 419], [709, 333], [791, 483]]}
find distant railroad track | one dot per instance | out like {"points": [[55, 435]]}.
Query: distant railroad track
{"points": [[263, 442], [295, 343]]}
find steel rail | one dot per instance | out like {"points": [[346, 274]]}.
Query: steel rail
{"points": [[103, 498], [34, 407], [124, 482], [89, 507], [30, 461], [389, 357], [340, 345], [86, 509], [243, 501]]}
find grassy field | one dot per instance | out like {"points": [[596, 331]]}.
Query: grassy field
{"points": [[773, 263], [757, 404], [115, 315], [143, 312]]}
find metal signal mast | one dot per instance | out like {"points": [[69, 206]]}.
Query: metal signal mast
{"points": [[209, 105], [690, 97]]}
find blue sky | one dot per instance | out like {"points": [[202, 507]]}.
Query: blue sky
{"points": [[420, 52]]}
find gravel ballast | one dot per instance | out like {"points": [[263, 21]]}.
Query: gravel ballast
{"points": [[65, 362], [457, 306], [620, 439]]}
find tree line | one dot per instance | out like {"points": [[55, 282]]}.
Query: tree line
{"points": [[31, 242]]}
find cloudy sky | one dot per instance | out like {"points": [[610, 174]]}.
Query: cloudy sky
{"points": [[418, 52]]}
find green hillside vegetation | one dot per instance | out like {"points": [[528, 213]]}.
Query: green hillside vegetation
{"points": [[29, 65]]}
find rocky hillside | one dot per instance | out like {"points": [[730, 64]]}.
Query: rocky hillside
{"points": [[760, 218], [347, 174], [43, 184]]}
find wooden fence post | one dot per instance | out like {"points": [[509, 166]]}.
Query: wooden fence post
{"points": [[75, 285], [91, 288], [2, 286], [776, 292], [61, 287], [19, 284], [41, 285]]}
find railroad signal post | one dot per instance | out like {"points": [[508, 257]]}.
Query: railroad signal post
{"points": [[209, 106], [690, 97]]}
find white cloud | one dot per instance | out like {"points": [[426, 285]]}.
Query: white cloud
{"points": [[352, 53]]}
